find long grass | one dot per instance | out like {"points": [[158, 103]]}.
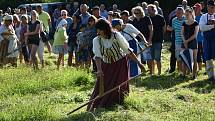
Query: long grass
{"points": [[28, 95], [48, 95]]}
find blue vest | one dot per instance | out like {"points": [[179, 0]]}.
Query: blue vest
{"points": [[209, 35]]}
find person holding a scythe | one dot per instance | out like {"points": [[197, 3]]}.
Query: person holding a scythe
{"points": [[111, 51], [130, 33]]}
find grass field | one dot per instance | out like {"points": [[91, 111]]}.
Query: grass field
{"points": [[48, 94]]}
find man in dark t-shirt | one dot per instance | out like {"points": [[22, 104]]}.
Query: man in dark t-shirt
{"points": [[144, 25], [158, 23], [159, 26]]}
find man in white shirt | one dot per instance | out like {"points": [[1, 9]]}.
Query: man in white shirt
{"points": [[207, 26]]}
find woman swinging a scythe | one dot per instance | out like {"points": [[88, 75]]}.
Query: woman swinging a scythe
{"points": [[111, 50]]}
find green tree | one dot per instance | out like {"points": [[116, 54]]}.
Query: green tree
{"points": [[166, 5]]}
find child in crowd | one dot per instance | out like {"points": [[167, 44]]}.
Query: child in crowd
{"points": [[60, 42], [82, 50]]}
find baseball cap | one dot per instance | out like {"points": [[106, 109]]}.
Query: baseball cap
{"points": [[198, 5], [116, 22]]}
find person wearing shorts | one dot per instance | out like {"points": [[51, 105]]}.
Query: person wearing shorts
{"points": [[33, 36], [159, 28], [143, 23], [146, 55]]}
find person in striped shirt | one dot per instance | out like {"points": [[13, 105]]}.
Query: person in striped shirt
{"points": [[177, 26]]}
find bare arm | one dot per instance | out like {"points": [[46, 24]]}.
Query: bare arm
{"points": [[194, 35], [26, 36], [182, 34], [150, 33], [133, 57], [169, 28], [183, 38]]}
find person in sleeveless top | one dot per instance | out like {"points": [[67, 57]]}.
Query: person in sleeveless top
{"points": [[33, 37], [111, 51]]}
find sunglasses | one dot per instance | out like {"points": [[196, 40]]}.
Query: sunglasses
{"points": [[137, 13], [63, 15]]}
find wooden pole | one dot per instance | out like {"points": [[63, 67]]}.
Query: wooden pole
{"points": [[111, 90], [105, 93]]}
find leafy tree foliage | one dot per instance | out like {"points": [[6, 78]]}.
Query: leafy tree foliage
{"points": [[166, 5]]}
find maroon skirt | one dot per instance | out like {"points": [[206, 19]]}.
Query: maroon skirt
{"points": [[3, 50], [114, 74]]}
